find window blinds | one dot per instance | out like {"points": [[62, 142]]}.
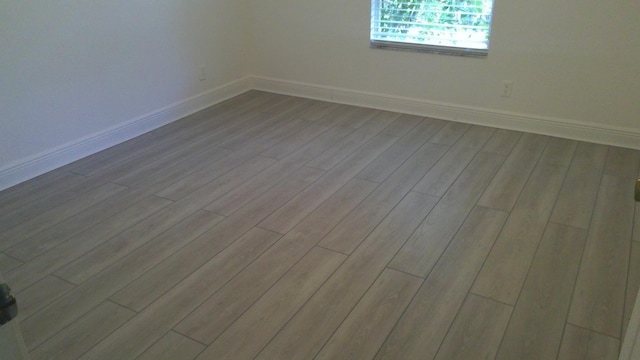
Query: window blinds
{"points": [[448, 26]]}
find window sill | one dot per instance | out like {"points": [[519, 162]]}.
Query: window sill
{"points": [[432, 49]]}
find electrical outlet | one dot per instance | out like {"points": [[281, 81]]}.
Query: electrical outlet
{"points": [[507, 88], [203, 74]]}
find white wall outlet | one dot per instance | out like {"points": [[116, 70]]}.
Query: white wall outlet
{"points": [[507, 88], [203, 74]]}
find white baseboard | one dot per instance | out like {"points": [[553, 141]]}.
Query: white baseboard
{"points": [[38, 164], [565, 128], [41, 163]]}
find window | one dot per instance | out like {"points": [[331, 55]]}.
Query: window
{"points": [[456, 27]]}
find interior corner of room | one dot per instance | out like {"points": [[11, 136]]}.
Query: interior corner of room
{"points": [[80, 77]]}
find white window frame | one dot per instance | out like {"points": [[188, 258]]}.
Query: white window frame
{"points": [[377, 41]]}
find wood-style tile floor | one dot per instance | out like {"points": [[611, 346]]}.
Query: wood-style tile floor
{"points": [[274, 227]]}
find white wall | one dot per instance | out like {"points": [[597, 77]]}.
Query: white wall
{"points": [[569, 61], [71, 70], [78, 76]]}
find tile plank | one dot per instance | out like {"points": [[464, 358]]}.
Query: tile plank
{"points": [[536, 326], [252, 331], [223, 183], [598, 301], [7, 263], [60, 255], [477, 330], [505, 188], [12, 216], [158, 227], [502, 142], [269, 125], [112, 155], [446, 171], [357, 116], [139, 158], [402, 125], [141, 292], [559, 151], [577, 196], [76, 339], [154, 321], [285, 218], [450, 133], [165, 172], [366, 327], [41, 294], [326, 310], [84, 297], [362, 220], [322, 122], [224, 307], [292, 143], [423, 325], [173, 346], [283, 105], [622, 162], [633, 286], [46, 220], [353, 141], [318, 109], [173, 156], [506, 267], [423, 249], [579, 343], [241, 195], [394, 157], [636, 224], [59, 233], [208, 173], [19, 195]]}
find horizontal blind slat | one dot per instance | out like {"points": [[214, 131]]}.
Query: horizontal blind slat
{"points": [[397, 25], [395, 11]]}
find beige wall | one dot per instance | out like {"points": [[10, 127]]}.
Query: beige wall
{"points": [[569, 60], [75, 74], [71, 70]]}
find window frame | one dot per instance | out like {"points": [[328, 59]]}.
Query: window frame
{"points": [[421, 47]]}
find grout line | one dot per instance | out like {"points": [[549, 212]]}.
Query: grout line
{"points": [[593, 331]]}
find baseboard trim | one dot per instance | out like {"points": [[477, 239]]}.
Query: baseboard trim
{"points": [[49, 160], [41, 163], [565, 128]]}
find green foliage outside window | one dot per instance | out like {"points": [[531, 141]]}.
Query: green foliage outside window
{"points": [[440, 21]]}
